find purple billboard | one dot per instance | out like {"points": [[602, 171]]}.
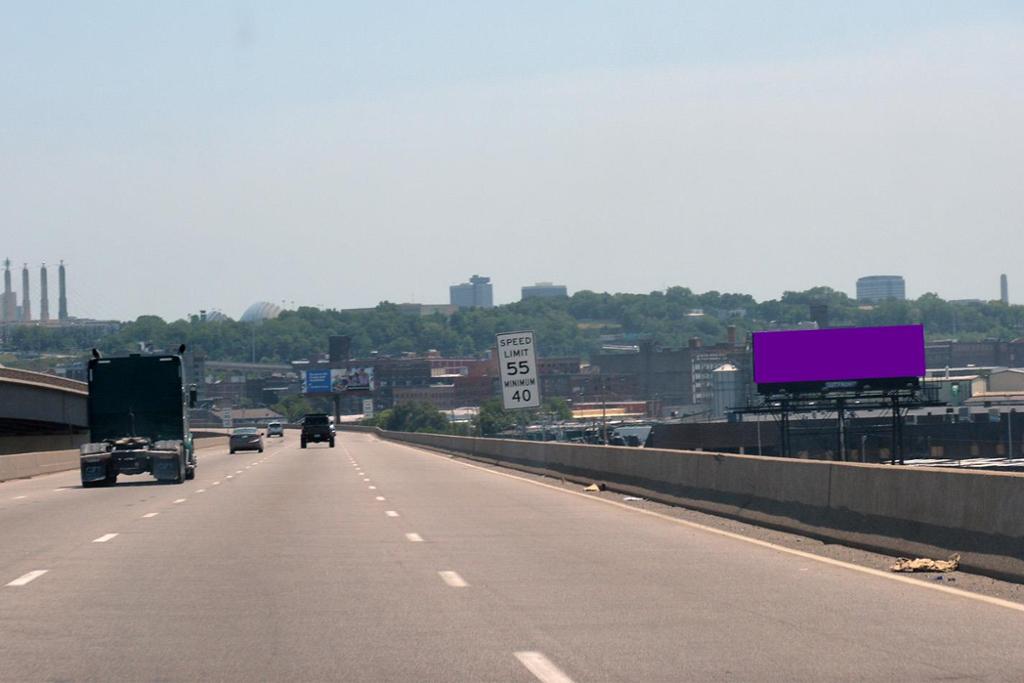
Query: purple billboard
{"points": [[843, 354]]}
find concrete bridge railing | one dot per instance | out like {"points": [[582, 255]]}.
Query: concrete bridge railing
{"points": [[923, 512]]}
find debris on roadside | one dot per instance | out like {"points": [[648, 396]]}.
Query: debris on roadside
{"points": [[595, 487], [923, 564]]}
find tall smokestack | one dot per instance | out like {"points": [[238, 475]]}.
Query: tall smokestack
{"points": [[8, 303], [1004, 289], [44, 296], [62, 293], [26, 300]]}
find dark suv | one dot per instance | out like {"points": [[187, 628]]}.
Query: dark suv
{"points": [[317, 428]]}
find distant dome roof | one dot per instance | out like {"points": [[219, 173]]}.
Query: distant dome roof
{"points": [[261, 310], [216, 316]]}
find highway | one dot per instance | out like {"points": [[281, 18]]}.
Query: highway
{"points": [[375, 561]]}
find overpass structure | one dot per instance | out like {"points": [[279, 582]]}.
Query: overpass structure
{"points": [[40, 411]]}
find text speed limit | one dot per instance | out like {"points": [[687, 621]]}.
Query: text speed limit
{"points": [[517, 360]]}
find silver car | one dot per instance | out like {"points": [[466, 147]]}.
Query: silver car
{"points": [[246, 439], [275, 429]]}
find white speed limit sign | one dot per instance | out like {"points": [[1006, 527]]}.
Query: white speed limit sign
{"points": [[517, 361]]}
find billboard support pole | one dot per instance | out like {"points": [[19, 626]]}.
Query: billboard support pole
{"points": [[784, 426], [841, 420], [897, 432], [336, 399]]}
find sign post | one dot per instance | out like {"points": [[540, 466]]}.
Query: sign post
{"points": [[517, 363], [367, 408]]}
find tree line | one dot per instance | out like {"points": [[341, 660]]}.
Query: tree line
{"points": [[575, 325]]}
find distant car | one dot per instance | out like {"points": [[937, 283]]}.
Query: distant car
{"points": [[246, 439], [275, 429], [316, 428]]}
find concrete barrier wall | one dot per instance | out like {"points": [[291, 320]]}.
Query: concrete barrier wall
{"points": [[22, 465], [41, 442], [900, 511]]}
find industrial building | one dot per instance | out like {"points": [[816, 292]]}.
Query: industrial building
{"points": [[544, 290], [477, 293], [872, 289], [11, 311]]}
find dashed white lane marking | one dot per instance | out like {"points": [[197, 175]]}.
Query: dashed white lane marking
{"points": [[453, 579], [238, 471], [104, 538], [28, 578], [19, 497], [542, 668], [391, 513], [150, 515], [381, 498], [200, 490], [230, 476], [415, 538], [59, 490], [372, 488], [216, 483], [366, 480], [998, 602], [180, 500]]}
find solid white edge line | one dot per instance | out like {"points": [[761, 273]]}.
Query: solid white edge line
{"points": [[104, 538], [28, 578], [542, 668], [452, 579], [889, 576], [414, 538]]}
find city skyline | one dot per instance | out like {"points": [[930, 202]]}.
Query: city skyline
{"points": [[1001, 287], [342, 154]]}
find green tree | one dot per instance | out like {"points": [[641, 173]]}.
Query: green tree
{"points": [[493, 418], [416, 416], [293, 407]]}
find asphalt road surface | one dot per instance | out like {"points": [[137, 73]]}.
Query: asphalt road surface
{"points": [[375, 561]]}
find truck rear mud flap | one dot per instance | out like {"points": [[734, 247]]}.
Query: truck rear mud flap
{"points": [[94, 471], [167, 468]]}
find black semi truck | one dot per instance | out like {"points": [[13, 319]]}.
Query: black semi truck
{"points": [[138, 419]]}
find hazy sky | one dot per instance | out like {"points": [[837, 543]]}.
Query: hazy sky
{"points": [[181, 156]]}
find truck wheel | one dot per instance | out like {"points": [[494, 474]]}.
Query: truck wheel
{"points": [[302, 444], [90, 484], [111, 479], [332, 443], [190, 472], [232, 451]]}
